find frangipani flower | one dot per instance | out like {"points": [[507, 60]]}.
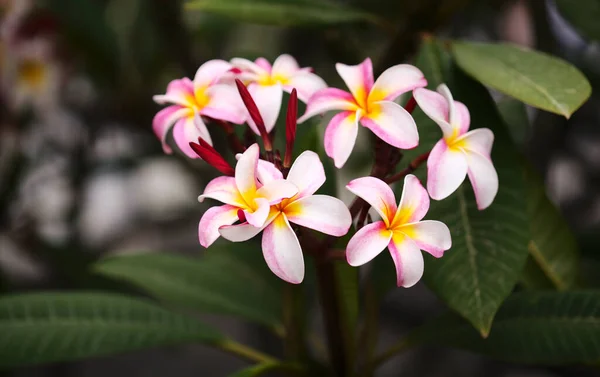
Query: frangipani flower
{"points": [[323, 213], [244, 198], [31, 74], [267, 84], [371, 104], [459, 152], [204, 96], [400, 230]]}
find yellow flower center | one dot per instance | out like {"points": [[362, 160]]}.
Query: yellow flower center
{"points": [[267, 79], [452, 141], [32, 73]]}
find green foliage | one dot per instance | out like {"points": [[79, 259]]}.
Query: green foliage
{"points": [[48, 327], [532, 327], [533, 77], [282, 12], [261, 369], [231, 280], [347, 284], [583, 14], [489, 247], [553, 246]]}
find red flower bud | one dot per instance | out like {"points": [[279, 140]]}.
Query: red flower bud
{"points": [[212, 157], [290, 127], [254, 114]]}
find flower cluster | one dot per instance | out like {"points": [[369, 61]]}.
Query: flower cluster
{"points": [[264, 193]]}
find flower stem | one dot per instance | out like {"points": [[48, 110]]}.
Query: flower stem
{"points": [[293, 322], [399, 347], [245, 352], [327, 287], [414, 164]]}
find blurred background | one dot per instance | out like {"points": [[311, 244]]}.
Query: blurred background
{"points": [[83, 176]]}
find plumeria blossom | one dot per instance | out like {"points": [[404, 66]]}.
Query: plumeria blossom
{"points": [[370, 103], [31, 74], [323, 213], [400, 229], [243, 197], [267, 83], [459, 153], [202, 96]]}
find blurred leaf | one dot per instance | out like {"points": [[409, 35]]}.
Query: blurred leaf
{"points": [[583, 15], [84, 26], [534, 279], [263, 368], [282, 12], [231, 280], [49, 327], [347, 277], [554, 254], [538, 79], [553, 246], [531, 327], [514, 115], [489, 247]]}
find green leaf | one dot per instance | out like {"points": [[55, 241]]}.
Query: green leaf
{"points": [[347, 286], [282, 12], [489, 247], [553, 246], [538, 79], [49, 327], [583, 15], [231, 280], [533, 328], [514, 115], [263, 368]]}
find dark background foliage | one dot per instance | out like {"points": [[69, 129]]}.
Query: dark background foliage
{"points": [[83, 176]]}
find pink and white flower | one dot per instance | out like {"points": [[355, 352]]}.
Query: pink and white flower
{"points": [[244, 197], [459, 153], [400, 229], [204, 96], [323, 213], [267, 84], [370, 103]]}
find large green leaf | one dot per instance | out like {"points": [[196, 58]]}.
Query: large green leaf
{"points": [[232, 279], [553, 246], [48, 327], [282, 12], [489, 247], [583, 14], [554, 254], [533, 77], [531, 327]]}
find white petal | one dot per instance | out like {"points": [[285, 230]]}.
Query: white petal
{"points": [[377, 193], [244, 232], [414, 203], [282, 251], [212, 220], [408, 260], [429, 235], [307, 173], [483, 177], [322, 213], [285, 65], [258, 217], [358, 78], [245, 172], [367, 243], [306, 84], [392, 124], [187, 130], [268, 101], [395, 81], [210, 72], [277, 190], [224, 190], [479, 140], [446, 170], [340, 136]]}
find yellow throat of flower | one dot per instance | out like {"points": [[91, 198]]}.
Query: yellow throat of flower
{"points": [[31, 73]]}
